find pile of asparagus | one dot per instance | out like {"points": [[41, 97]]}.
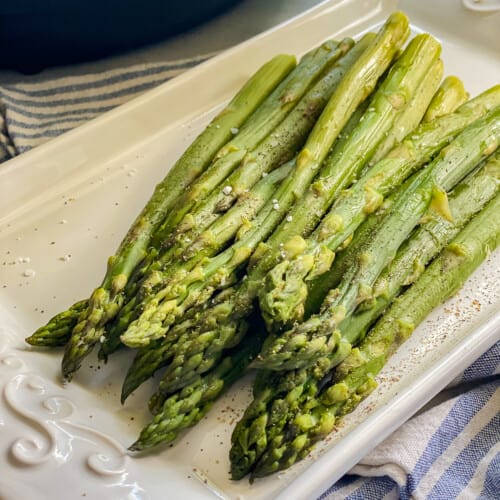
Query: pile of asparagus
{"points": [[305, 233]]}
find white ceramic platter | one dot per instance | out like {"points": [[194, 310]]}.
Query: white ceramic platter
{"points": [[63, 209]]}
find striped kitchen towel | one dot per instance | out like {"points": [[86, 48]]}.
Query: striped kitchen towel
{"points": [[32, 113], [452, 450]]}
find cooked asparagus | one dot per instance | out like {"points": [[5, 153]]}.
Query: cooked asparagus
{"points": [[450, 96], [187, 407], [354, 379], [58, 329], [302, 344], [282, 300], [190, 350], [106, 299], [169, 304], [286, 393]]}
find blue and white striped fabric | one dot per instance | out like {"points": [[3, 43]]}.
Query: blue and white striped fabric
{"points": [[32, 113], [450, 451]]}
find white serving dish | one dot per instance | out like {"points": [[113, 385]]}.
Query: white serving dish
{"points": [[78, 194]]}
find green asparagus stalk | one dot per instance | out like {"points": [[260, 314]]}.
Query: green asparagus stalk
{"points": [[318, 336], [468, 198], [202, 350], [282, 300], [166, 307], [291, 391], [106, 300], [143, 367], [355, 378], [277, 147], [265, 119], [58, 329], [187, 407], [412, 115], [448, 98]]}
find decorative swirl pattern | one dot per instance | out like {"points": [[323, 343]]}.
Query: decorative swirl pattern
{"points": [[53, 435], [33, 450], [57, 432]]}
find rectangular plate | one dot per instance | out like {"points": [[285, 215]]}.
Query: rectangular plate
{"points": [[64, 208]]}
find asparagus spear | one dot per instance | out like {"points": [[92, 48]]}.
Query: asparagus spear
{"points": [[143, 366], [166, 307], [287, 393], [354, 378], [412, 115], [265, 119], [223, 322], [282, 300], [302, 344], [188, 406], [273, 150], [196, 353], [106, 299], [450, 96], [58, 329]]}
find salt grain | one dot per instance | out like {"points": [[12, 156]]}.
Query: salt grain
{"points": [[234, 130], [227, 190], [29, 273]]}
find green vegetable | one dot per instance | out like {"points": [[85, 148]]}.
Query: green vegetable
{"points": [[448, 98], [196, 351], [58, 329], [283, 298], [354, 379], [188, 406], [302, 344], [106, 300], [169, 304], [282, 395]]}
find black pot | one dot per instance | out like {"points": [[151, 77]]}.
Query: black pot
{"points": [[38, 33]]}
